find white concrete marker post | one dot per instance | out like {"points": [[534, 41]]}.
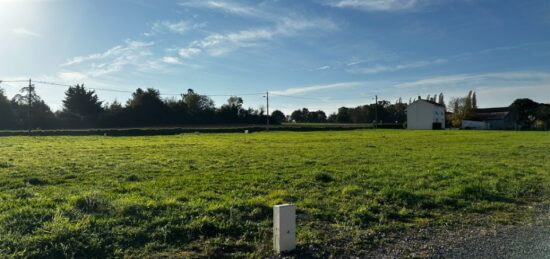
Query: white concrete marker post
{"points": [[284, 228]]}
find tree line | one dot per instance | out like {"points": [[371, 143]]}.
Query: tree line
{"points": [[146, 108]]}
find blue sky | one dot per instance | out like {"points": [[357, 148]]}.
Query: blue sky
{"points": [[320, 54]]}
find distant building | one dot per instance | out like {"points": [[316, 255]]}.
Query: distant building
{"points": [[504, 118], [424, 114]]}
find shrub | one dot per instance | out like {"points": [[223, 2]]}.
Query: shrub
{"points": [[91, 203], [323, 177], [36, 181]]}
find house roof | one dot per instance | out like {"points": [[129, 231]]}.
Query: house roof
{"points": [[499, 113], [431, 102]]}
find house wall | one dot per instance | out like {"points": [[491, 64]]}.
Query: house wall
{"points": [[505, 124], [480, 125], [439, 115], [422, 115]]}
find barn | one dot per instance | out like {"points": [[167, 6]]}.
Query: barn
{"points": [[425, 114], [502, 118]]}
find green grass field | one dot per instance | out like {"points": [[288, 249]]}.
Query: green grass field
{"points": [[199, 195]]}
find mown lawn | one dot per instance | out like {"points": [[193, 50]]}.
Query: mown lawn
{"points": [[211, 194]]}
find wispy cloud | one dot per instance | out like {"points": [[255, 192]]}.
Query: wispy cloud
{"points": [[172, 60], [132, 53], [504, 78], [283, 25], [26, 32], [323, 68], [227, 7], [392, 68], [377, 5], [71, 76], [217, 43], [315, 88], [174, 27]]}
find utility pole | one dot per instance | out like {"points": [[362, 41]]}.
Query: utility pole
{"points": [[30, 105], [376, 111], [267, 98]]}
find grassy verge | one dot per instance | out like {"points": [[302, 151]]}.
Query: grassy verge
{"points": [[211, 195]]}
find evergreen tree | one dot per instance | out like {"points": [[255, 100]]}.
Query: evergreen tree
{"points": [[82, 102], [441, 99], [6, 113]]}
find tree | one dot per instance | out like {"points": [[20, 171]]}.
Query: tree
{"points": [[7, 120], [463, 108], [40, 113], [441, 99], [300, 115], [197, 104], [316, 117], [459, 111], [526, 109], [343, 115], [278, 116], [231, 111], [146, 108], [81, 108], [543, 115], [82, 102]]}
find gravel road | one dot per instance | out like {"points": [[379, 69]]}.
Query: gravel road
{"points": [[523, 240], [504, 242]]}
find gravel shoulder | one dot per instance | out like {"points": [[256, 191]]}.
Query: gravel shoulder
{"points": [[529, 238]]}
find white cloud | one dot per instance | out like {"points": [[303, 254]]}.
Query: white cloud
{"points": [[189, 52], [494, 89], [175, 27], [132, 53], [314, 88], [217, 44], [283, 24], [378, 5], [504, 78], [392, 68], [26, 32], [323, 68], [171, 60], [71, 76], [228, 7]]}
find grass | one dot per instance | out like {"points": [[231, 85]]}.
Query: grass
{"points": [[210, 195]]}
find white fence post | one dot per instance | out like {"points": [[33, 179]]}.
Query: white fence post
{"points": [[284, 228]]}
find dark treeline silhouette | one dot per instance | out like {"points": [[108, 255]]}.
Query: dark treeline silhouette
{"points": [[532, 115], [382, 112], [146, 108]]}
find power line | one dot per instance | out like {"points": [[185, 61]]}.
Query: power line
{"points": [[314, 98], [126, 91], [13, 81]]}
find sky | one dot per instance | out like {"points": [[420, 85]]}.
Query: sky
{"points": [[319, 54]]}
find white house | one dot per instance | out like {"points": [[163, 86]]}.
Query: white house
{"points": [[424, 114]]}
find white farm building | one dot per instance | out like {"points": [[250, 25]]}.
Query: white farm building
{"points": [[426, 115]]}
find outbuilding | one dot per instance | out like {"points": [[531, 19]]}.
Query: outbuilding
{"points": [[502, 118], [426, 115]]}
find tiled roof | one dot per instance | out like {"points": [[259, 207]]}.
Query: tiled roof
{"points": [[490, 114]]}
